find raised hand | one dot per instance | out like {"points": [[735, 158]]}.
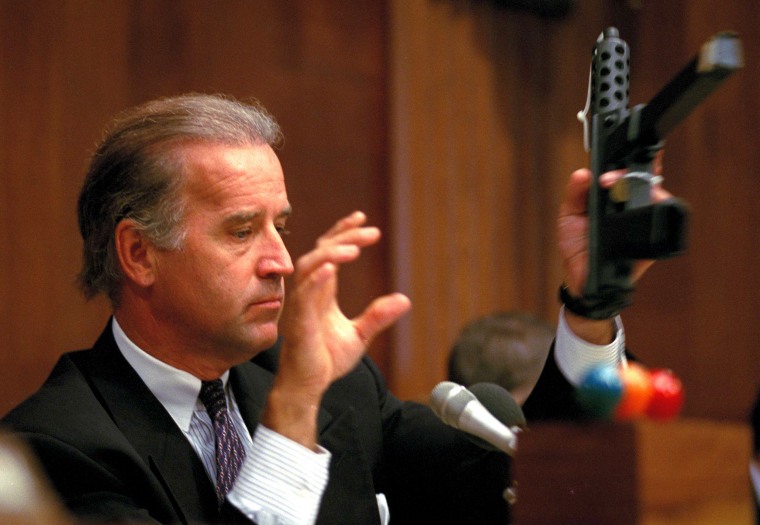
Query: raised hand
{"points": [[572, 225], [320, 344], [572, 234]]}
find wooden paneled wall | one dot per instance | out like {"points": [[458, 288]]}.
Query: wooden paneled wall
{"points": [[483, 105], [450, 122], [66, 67]]}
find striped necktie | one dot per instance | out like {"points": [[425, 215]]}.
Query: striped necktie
{"points": [[229, 449]]}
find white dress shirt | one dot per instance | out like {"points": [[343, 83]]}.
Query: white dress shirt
{"points": [[279, 483]]}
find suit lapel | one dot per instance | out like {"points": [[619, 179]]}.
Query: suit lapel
{"points": [[250, 384], [168, 455], [151, 431]]}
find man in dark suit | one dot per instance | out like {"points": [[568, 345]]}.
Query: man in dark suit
{"points": [[194, 406]]}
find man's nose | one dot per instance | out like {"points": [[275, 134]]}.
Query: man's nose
{"points": [[275, 261]]}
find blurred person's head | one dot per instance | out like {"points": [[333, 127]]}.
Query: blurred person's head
{"points": [[505, 348]]}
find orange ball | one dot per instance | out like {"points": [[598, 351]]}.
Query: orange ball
{"points": [[637, 392]]}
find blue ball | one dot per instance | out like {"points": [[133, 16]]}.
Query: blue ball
{"points": [[600, 391]]}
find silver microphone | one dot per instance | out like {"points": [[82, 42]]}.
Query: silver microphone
{"points": [[458, 407]]}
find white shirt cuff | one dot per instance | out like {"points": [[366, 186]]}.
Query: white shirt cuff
{"points": [[280, 481], [575, 357], [382, 506]]}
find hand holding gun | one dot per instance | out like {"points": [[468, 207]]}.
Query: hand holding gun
{"points": [[624, 224]]}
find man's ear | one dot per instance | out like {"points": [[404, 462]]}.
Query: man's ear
{"points": [[135, 253]]}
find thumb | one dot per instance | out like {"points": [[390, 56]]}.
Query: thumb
{"points": [[380, 314]]}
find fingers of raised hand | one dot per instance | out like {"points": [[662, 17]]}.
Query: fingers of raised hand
{"points": [[576, 193], [333, 254], [342, 243], [658, 193], [352, 220], [350, 229]]}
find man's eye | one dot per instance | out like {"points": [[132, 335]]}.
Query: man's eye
{"points": [[242, 234], [283, 231]]}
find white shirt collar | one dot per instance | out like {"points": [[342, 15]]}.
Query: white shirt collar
{"points": [[176, 389]]}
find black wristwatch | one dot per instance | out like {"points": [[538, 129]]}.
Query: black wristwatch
{"points": [[605, 306]]}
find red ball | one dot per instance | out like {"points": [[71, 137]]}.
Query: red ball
{"points": [[667, 396]]}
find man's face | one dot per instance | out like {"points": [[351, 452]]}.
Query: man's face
{"points": [[221, 293]]}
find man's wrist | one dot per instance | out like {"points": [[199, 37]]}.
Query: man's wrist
{"points": [[597, 332], [292, 417], [603, 306]]}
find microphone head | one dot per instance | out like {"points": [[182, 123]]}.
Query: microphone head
{"points": [[500, 403], [440, 393], [448, 401]]}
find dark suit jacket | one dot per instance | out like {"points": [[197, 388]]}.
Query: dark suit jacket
{"points": [[554, 397], [114, 454]]}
